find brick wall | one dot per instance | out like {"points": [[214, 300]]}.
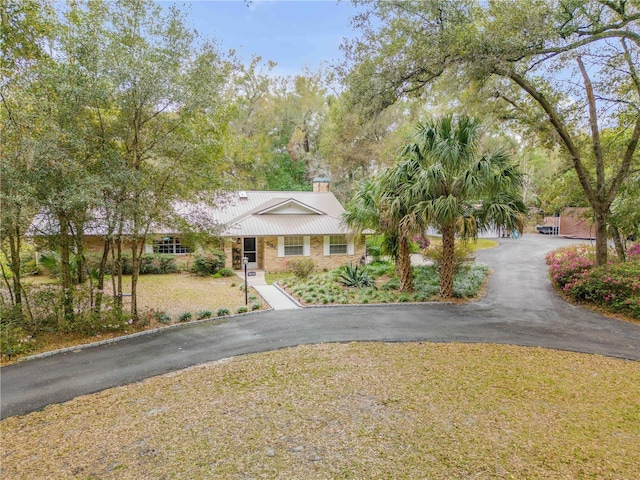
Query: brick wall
{"points": [[272, 263]]}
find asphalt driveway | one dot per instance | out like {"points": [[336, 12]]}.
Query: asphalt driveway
{"points": [[520, 308]]}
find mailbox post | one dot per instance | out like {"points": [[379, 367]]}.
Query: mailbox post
{"points": [[245, 261]]}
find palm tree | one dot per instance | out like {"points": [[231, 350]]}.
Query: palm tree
{"points": [[376, 206], [453, 186]]}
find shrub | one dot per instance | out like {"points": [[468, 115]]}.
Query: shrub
{"points": [[185, 317], [223, 312], [301, 267], [567, 264], [392, 284], [375, 252], [355, 276], [468, 281], [14, 340], [162, 317], [155, 264], [242, 309], [462, 252], [207, 263], [379, 268], [615, 286], [202, 314], [226, 272], [256, 306], [633, 251]]}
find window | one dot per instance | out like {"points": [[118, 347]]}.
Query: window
{"points": [[293, 246], [169, 245], [337, 244]]}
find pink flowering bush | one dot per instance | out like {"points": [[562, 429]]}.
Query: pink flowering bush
{"points": [[633, 251], [568, 263], [615, 287]]}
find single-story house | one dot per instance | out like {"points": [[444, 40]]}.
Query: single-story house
{"points": [[270, 227], [266, 227]]}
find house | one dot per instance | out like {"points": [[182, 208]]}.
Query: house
{"points": [[268, 228]]}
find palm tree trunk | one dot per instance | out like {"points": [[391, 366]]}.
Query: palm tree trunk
{"points": [[404, 263], [446, 264]]}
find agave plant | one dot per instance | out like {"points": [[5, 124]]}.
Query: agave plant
{"points": [[355, 276]]}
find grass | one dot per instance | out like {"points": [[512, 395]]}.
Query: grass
{"points": [[348, 411], [271, 278]]}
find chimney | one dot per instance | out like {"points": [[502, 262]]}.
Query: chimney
{"points": [[321, 184]]}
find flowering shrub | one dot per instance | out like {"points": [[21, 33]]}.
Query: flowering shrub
{"points": [[634, 251], [567, 264], [615, 286]]}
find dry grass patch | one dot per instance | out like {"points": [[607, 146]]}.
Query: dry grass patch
{"points": [[179, 293], [349, 411]]}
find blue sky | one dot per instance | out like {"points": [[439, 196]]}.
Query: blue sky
{"points": [[294, 34]]}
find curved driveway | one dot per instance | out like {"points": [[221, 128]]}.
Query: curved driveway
{"points": [[520, 308]]}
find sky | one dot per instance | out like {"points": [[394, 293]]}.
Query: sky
{"points": [[293, 33]]}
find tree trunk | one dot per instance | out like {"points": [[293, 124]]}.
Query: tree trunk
{"points": [[135, 269], [100, 285], [14, 245], [80, 258], [447, 261], [65, 267], [601, 238], [617, 241], [404, 263]]}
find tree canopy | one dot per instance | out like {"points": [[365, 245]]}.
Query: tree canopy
{"points": [[563, 68]]}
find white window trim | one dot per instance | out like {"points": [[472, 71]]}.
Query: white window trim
{"points": [[306, 246], [327, 246]]}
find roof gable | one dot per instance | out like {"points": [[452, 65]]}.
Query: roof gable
{"points": [[289, 206]]}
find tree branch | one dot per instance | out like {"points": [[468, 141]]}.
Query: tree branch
{"points": [[595, 131], [559, 126]]}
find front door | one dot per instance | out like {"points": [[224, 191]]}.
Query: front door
{"points": [[249, 250]]}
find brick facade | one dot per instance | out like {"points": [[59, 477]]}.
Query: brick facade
{"points": [[269, 261]]}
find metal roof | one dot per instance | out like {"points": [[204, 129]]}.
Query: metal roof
{"points": [[255, 213]]}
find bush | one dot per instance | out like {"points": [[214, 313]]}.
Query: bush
{"points": [[185, 317], [301, 267], [615, 286], [462, 253], [355, 276], [202, 314], [223, 312], [633, 251], [242, 309], [256, 306], [162, 317], [150, 264], [567, 264], [14, 340], [207, 263], [468, 281], [226, 272]]}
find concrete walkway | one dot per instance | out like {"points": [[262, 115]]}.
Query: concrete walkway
{"points": [[271, 294]]}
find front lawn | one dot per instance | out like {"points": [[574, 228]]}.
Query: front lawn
{"points": [[326, 288], [348, 411]]}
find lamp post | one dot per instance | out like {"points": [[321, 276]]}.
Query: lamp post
{"points": [[245, 260]]}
